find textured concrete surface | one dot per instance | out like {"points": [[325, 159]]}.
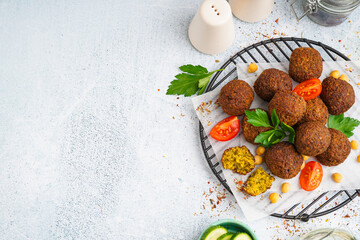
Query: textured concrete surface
{"points": [[90, 145]]}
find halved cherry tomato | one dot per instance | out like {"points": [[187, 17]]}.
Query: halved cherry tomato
{"points": [[226, 129], [309, 89], [311, 176]]}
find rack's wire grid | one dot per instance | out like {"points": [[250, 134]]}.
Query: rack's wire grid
{"points": [[279, 49]]}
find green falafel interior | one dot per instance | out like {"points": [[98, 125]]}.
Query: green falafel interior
{"points": [[258, 182], [238, 159]]}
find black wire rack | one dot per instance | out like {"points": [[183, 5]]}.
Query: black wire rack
{"points": [[278, 50]]}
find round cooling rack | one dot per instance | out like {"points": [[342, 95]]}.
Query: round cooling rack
{"points": [[279, 50]]}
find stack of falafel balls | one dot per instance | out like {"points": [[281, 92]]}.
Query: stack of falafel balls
{"points": [[308, 117]]}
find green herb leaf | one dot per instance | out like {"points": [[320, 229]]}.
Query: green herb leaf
{"points": [[193, 79], [184, 84], [279, 135], [194, 69], [344, 124], [258, 118], [290, 130], [274, 119], [270, 137], [263, 138], [203, 83]]}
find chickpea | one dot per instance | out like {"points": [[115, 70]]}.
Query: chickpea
{"points": [[358, 158], [305, 157], [285, 187], [260, 150], [252, 68], [274, 197], [335, 74], [344, 77], [303, 165], [258, 160], [337, 177], [354, 145]]}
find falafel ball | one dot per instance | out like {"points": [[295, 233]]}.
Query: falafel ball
{"points": [[270, 81], [305, 63], [312, 138], [338, 150], [236, 97], [283, 160], [316, 110], [289, 107], [250, 132], [338, 95]]}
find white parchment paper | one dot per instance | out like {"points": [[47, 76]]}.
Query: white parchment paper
{"points": [[209, 113]]}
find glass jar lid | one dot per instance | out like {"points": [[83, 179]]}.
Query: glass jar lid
{"points": [[338, 6], [327, 234]]}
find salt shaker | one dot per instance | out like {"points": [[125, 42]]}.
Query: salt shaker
{"points": [[251, 10], [212, 29]]}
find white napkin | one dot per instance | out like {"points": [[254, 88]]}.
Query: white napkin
{"points": [[260, 206]]}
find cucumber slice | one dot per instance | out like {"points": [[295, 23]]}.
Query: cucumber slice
{"points": [[241, 236], [226, 236], [213, 233]]}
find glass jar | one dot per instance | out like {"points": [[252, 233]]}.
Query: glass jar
{"points": [[327, 234], [327, 12]]}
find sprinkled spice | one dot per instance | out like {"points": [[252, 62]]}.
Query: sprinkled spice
{"points": [[207, 107]]}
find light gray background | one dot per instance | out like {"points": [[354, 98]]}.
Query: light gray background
{"points": [[90, 145]]}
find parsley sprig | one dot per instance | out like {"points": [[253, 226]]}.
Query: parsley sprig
{"points": [[259, 118], [346, 125], [193, 79]]}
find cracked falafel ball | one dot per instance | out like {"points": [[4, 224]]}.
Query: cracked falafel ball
{"points": [[258, 182], [238, 159]]}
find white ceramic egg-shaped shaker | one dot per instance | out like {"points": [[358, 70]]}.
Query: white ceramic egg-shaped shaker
{"points": [[212, 29], [251, 10]]}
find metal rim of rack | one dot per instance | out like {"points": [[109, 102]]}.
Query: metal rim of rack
{"points": [[272, 47]]}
